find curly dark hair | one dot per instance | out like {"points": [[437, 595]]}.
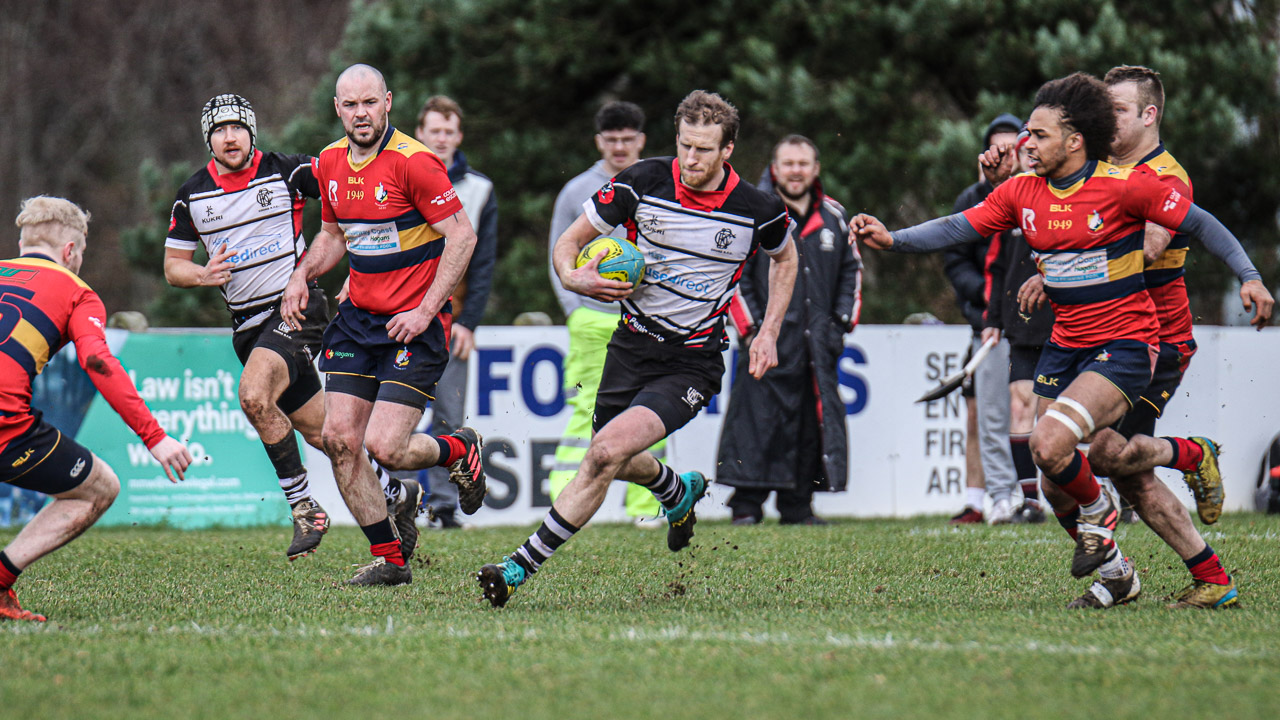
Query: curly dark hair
{"points": [[1086, 107]]}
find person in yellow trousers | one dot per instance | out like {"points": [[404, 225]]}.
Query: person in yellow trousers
{"points": [[620, 138]]}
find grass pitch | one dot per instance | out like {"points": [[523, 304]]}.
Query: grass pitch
{"points": [[860, 619]]}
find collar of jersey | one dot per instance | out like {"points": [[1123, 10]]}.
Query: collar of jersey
{"points": [[238, 180], [386, 140], [705, 200], [1073, 182]]}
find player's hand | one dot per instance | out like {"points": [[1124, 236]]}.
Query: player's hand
{"points": [[764, 352], [1031, 295], [462, 340], [988, 333], [586, 280], [1254, 293], [345, 292], [173, 456], [294, 300], [997, 163], [217, 271], [871, 231], [408, 325]]}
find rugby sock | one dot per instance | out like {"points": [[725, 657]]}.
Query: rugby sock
{"points": [[383, 542], [1024, 466], [667, 487], [973, 497], [1069, 520], [296, 489], [1077, 480], [1206, 567], [1186, 454], [550, 535], [451, 450], [285, 457], [1116, 565], [8, 572]]}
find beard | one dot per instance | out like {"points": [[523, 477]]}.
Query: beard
{"points": [[782, 190], [378, 131]]}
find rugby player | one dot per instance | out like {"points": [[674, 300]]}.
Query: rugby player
{"points": [[696, 223], [44, 305], [245, 208], [387, 201], [1086, 218]]}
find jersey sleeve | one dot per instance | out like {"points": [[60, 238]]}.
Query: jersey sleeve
{"points": [[1162, 203], [182, 232], [616, 202], [303, 177], [326, 198], [429, 189], [995, 213], [86, 329], [773, 230]]}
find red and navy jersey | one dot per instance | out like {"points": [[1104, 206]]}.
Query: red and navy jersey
{"points": [[1166, 277], [1087, 242], [42, 307], [255, 212], [694, 244], [386, 206]]}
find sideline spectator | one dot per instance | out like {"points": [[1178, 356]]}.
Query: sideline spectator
{"points": [[988, 463], [785, 432]]}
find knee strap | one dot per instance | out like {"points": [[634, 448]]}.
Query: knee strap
{"points": [[1065, 420], [1081, 411]]}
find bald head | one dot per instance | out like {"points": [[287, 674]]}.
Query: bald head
{"points": [[361, 75], [363, 103]]}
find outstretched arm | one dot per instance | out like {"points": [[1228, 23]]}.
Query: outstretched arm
{"points": [[1219, 241], [926, 237]]}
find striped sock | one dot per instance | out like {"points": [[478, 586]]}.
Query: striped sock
{"points": [[8, 572], [550, 535], [667, 487], [1115, 566], [1186, 454], [1077, 480], [392, 488], [296, 489], [1206, 567], [451, 450]]}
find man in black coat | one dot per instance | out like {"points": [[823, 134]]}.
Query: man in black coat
{"points": [[786, 432]]}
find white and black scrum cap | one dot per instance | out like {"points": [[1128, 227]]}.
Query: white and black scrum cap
{"points": [[223, 109]]}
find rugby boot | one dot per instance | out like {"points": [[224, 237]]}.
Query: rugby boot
{"points": [[467, 472], [967, 516], [1207, 595], [1094, 537], [381, 572], [310, 523], [1029, 513], [11, 610], [1109, 592], [681, 518], [1206, 482], [403, 514], [499, 582]]}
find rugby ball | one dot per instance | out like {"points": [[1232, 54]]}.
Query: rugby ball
{"points": [[622, 260]]}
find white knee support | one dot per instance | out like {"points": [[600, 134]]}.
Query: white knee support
{"points": [[1065, 420], [1081, 410]]}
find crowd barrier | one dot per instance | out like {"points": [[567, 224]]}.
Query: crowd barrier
{"points": [[905, 458]]}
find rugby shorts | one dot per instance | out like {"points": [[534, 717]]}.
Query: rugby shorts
{"points": [[360, 359], [673, 381], [299, 348], [1127, 364], [45, 460], [1171, 365]]}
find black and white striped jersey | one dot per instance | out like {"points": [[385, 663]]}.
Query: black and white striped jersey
{"points": [[258, 212], [694, 245]]}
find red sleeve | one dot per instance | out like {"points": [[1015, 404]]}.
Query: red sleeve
{"points": [[427, 183], [328, 192], [1148, 198], [85, 327], [995, 214]]}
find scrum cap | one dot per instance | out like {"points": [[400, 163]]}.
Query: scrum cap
{"points": [[224, 109]]}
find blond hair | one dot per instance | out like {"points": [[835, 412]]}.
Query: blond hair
{"points": [[37, 213]]}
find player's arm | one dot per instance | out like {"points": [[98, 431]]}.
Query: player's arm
{"points": [[1219, 241], [565, 212], [180, 269], [1154, 242], [584, 280], [326, 250], [782, 279], [927, 237], [460, 242], [109, 377]]}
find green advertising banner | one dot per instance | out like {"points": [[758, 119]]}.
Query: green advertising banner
{"points": [[190, 383]]}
